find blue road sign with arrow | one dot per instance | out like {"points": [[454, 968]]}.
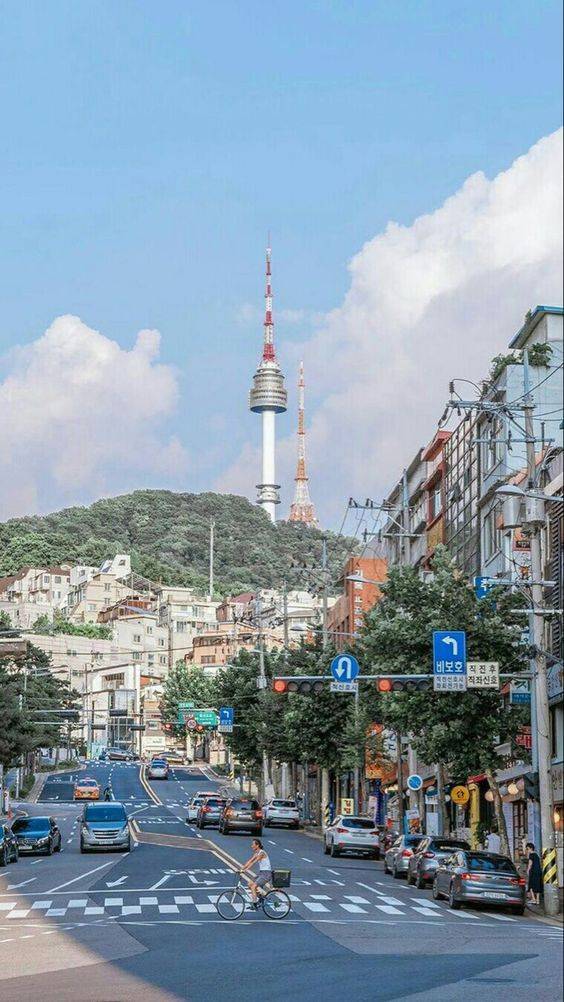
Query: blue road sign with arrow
{"points": [[226, 719], [345, 668], [449, 660]]}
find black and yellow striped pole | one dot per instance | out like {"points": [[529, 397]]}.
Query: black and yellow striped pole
{"points": [[326, 815], [549, 866]]}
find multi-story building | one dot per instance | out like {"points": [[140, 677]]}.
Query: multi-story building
{"points": [[406, 516], [34, 592], [346, 616], [184, 614], [461, 491], [138, 634], [93, 590], [434, 493], [216, 649]]}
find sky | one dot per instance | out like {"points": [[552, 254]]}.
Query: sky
{"points": [[405, 159]]}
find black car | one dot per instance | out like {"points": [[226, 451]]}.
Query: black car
{"points": [[9, 850], [241, 815], [39, 834]]}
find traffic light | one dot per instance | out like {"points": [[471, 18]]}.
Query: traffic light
{"points": [[305, 687], [531, 784], [405, 684]]}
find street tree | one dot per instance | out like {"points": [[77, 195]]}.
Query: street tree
{"points": [[186, 682]]}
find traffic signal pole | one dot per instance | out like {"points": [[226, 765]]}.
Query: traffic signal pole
{"points": [[542, 710]]}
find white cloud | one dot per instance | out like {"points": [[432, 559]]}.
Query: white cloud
{"points": [[80, 416], [427, 302]]}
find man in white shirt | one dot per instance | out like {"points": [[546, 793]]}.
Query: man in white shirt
{"points": [[493, 842]]}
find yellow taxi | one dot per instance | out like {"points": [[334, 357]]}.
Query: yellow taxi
{"points": [[86, 789]]}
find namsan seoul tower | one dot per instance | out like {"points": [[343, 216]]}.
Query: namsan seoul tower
{"points": [[302, 510], [268, 397]]}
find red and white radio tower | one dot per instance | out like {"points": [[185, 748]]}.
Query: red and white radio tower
{"points": [[302, 510]]}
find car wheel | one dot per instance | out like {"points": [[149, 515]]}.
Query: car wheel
{"points": [[334, 852], [436, 894], [452, 901], [395, 873], [296, 825], [59, 844], [419, 882], [386, 868], [83, 847], [325, 848], [518, 910], [50, 849], [128, 846]]}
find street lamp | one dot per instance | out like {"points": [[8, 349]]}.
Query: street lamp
{"points": [[360, 579]]}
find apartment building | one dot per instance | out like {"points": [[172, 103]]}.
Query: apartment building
{"points": [[215, 649], [34, 592], [137, 633], [184, 614], [346, 615], [93, 590]]}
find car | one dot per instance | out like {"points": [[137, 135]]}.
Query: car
{"points": [[468, 877], [37, 834], [281, 812], [86, 789], [351, 833], [157, 769], [193, 807], [209, 813], [241, 814], [397, 857], [177, 757], [119, 755], [428, 855], [104, 826], [9, 849]]}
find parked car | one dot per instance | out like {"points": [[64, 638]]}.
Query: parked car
{"points": [[104, 826], [209, 813], [281, 812], [350, 833], [241, 814], [9, 849], [176, 757], [468, 877], [86, 789], [157, 769], [37, 834], [398, 855], [430, 853]]}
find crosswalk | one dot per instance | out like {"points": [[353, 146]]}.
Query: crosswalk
{"points": [[307, 905]]}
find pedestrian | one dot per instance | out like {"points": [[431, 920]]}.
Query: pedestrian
{"points": [[493, 842], [534, 874]]}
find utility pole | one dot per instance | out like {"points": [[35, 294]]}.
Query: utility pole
{"points": [[325, 634], [406, 560], [212, 540], [262, 683], [401, 825], [551, 903]]}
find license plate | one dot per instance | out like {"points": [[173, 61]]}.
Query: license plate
{"points": [[244, 817], [492, 894]]}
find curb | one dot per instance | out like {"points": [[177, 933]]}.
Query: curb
{"points": [[553, 920]]}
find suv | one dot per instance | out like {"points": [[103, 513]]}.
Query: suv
{"points": [[158, 769], [210, 812], [430, 854], [104, 826], [118, 755], [240, 814], [281, 812]]}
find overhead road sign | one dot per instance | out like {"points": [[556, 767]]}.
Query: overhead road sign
{"points": [[226, 719], [449, 661], [207, 718], [345, 668], [414, 782], [482, 674]]}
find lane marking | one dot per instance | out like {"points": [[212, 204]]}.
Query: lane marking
{"points": [[334, 872], [80, 877], [306, 860], [352, 908], [314, 906], [389, 909], [163, 880]]}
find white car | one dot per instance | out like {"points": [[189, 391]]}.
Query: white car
{"points": [[194, 805], [281, 812], [351, 833]]}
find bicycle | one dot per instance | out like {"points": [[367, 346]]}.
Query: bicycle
{"points": [[231, 904]]}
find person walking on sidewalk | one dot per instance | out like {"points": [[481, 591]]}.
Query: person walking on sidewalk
{"points": [[493, 842], [534, 874]]}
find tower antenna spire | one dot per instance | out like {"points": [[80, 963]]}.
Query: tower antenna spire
{"points": [[302, 510], [268, 398]]}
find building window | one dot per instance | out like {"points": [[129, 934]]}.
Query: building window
{"points": [[491, 535], [107, 586], [136, 656], [162, 659], [435, 502], [208, 659], [136, 638], [161, 642], [149, 629], [57, 578], [91, 607]]}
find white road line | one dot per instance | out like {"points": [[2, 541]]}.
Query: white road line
{"points": [[270, 842], [80, 877], [355, 900], [321, 897], [352, 908], [306, 860], [335, 872], [163, 880], [77, 903], [389, 909], [426, 911], [428, 904], [169, 909], [109, 902], [391, 901], [500, 918], [291, 851], [314, 906]]}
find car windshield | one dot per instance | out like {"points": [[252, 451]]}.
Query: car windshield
{"points": [[158, 762], [214, 802], [484, 861], [87, 782], [245, 805], [357, 823], [31, 824], [447, 846], [109, 813], [197, 801], [283, 803]]}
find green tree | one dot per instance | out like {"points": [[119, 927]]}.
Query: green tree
{"points": [[461, 730], [186, 682]]}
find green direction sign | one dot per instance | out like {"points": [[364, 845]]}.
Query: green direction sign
{"points": [[186, 704], [208, 718]]}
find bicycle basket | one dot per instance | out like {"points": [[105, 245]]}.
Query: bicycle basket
{"points": [[281, 878]]}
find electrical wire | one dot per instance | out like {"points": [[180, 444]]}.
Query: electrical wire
{"points": [[536, 386]]}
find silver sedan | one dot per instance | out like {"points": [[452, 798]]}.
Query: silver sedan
{"points": [[480, 878], [400, 852]]}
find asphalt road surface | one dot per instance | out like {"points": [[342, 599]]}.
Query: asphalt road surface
{"points": [[143, 926]]}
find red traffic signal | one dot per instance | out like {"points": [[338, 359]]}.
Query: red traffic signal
{"points": [[409, 683], [305, 687]]}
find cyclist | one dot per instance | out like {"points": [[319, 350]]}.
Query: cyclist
{"points": [[260, 856]]}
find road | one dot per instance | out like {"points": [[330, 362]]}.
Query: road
{"points": [[143, 926]]}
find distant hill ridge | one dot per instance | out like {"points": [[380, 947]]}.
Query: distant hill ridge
{"points": [[167, 535]]}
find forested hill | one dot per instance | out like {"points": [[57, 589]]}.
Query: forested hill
{"points": [[167, 535]]}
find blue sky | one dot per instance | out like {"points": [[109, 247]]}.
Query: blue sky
{"points": [[147, 149]]}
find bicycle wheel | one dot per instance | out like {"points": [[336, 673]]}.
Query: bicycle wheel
{"points": [[230, 905], [276, 904]]}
